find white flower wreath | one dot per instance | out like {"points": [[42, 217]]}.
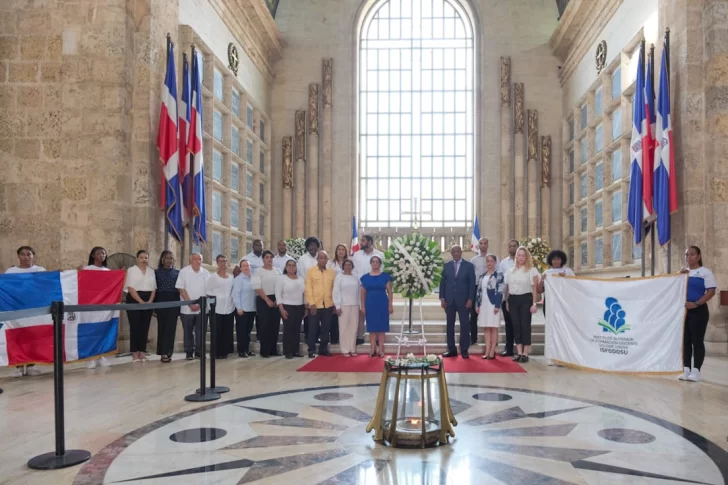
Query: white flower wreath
{"points": [[415, 264], [296, 247]]}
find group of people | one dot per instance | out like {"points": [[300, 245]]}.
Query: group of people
{"points": [[339, 299]]}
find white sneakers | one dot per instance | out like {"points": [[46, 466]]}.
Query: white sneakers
{"points": [[100, 362], [18, 372], [91, 364], [25, 371], [690, 375]]}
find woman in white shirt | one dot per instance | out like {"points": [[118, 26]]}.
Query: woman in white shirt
{"points": [[289, 297], [346, 300], [97, 262], [268, 316], [341, 254], [141, 285], [521, 293], [557, 266], [220, 285]]}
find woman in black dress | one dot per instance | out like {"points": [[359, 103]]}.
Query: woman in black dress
{"points": [[166, 275]]}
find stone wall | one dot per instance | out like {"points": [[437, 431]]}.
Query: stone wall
{"points": [[314, 30]]}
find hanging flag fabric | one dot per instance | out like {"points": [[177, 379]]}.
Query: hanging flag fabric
{"points": [[354, 237], [616, 325], [194, 145], [475, 238], [636, 206], [86, 334], [664, 172], [168, 144], [184, 153], [649, 143]]}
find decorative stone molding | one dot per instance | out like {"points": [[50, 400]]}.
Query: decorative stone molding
{"points": [[328, 82], [518, 95], [505, 84], [253, 25], [578, 30], [313, 95], [287, 162], [301, 135], [546, 161], [532, 145]]}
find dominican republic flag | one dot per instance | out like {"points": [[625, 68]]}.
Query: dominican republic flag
{"points": [[86, 334], [664, 174], [194, 146], [636, 210], [184, 153], [168, 144], [354, 237], [475, 238], [649, 146]]}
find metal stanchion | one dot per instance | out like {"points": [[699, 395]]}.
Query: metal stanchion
{"points": [[61, 458], [213, 352], [203, 394], [409, 330]]}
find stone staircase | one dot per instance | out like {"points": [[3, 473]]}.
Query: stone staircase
{"points": [[435, 331]]}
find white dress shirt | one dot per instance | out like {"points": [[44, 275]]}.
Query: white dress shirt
{"points": [[32, 269], [194, 283], [140, 281], [289, 291], [505, 264], [93, 267], [222, 290], [280, 262], [255, 261], [564, 270], [362, 261], [480, 266], [520, 281], [305, 263], [336, 267], [265, 279], [346, 290]]}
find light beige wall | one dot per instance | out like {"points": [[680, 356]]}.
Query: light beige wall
{"points": [[316, 29]]}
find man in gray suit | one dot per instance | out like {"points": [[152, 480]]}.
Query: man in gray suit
{"points": [[457, 294]]}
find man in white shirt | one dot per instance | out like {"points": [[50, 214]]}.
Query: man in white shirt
{"points": [[191, 283], [26, 264], [480, 268], [362, 265], [503, 267], [280, 259], [255, 257]]}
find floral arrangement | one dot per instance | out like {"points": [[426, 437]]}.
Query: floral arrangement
{"points": [[539, 249], [411, 359], [296, 247], [398, 262]]}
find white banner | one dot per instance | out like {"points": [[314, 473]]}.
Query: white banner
{"points": [[616, 325]]}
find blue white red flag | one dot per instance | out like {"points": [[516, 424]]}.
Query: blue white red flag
{"points": [[474, 245], [168, 144], [649, 145], [194, 145], [636, 205], [86, 334], [664, 173], [354, 237], [184, 154]]}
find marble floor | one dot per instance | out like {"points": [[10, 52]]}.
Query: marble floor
{"points": [[276, 425]]}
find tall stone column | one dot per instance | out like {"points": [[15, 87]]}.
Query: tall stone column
{"points": [[328, 165], [506, 152], [519, 164], [312, 206], [287, 187], [532, 154], [299, 183], [546, 188]]}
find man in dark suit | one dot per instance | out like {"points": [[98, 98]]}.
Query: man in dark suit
{"points": [[457, 294]]}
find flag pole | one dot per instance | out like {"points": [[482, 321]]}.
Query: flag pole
{"points": [[164, 210], [643, 226], [667, 65], [190, 221], [181, 182], [651, 148]]}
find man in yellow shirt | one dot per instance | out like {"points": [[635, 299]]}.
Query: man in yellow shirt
{"points": [[320, 302]]}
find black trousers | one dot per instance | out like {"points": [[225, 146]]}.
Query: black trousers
{"points": [[292, 329], [696, 322], [138, 323], [224, 334], [243, 326], [166, 323], [463, 314], [509, 328], [321, 319], [473, 325], [520, 308], [269, 324], [334, 330]]}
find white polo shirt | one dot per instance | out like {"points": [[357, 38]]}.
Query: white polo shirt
{"points": [[280, 262], [362, 261], [193, 283]]}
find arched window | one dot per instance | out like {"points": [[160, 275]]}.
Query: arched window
{"points": [[416, 77]]}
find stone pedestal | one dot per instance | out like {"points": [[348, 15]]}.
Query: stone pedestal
{"points": [[506, 152], [312, 180], [327, 145], [286, 215], [299, 187], [519, 163]]}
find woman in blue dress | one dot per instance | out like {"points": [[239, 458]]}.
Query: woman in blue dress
{"points": [[376, 305]]}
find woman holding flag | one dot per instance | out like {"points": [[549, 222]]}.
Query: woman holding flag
{"points": [[97, 262]]}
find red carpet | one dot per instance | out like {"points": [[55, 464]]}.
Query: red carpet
{"points": [[363, 363]]}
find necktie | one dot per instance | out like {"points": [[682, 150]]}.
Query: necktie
{"points": [[456, 268]]}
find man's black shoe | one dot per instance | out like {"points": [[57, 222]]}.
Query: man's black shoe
{"points": [[506, 354], [465, 355], [451, 353]]}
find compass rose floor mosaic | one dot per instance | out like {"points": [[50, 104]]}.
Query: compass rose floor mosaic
{"points": [[544, 427]]}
